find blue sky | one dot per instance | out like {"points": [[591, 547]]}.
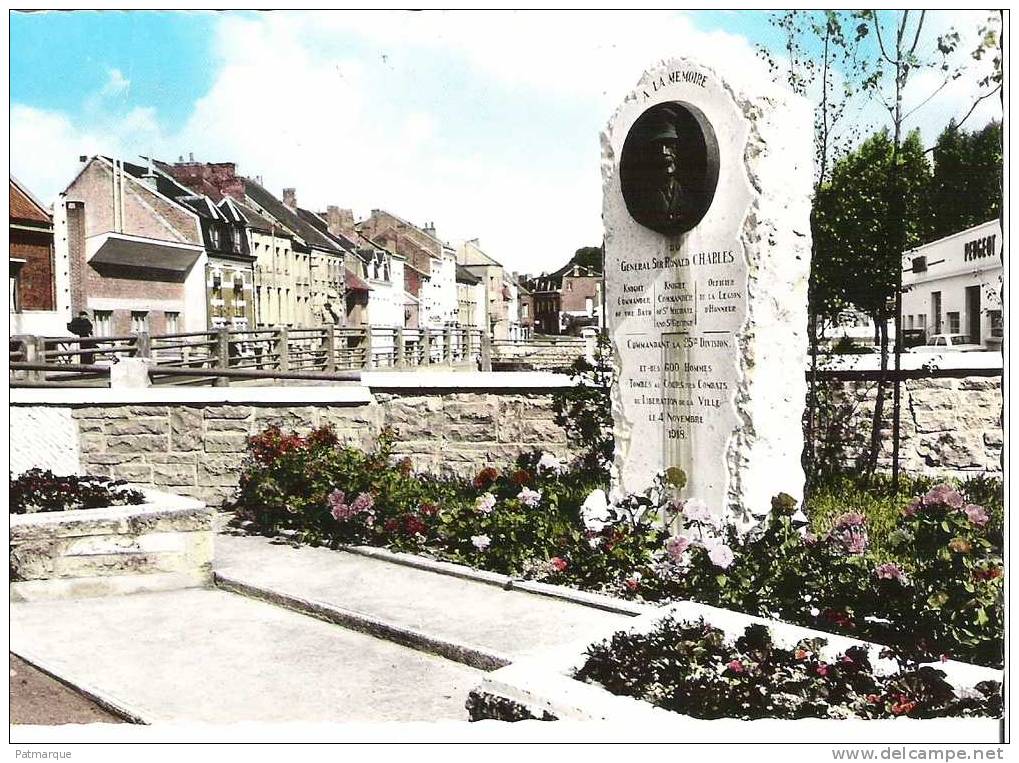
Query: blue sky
{"points": [[486, 124]]}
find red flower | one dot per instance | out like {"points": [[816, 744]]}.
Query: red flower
{"points": [[735, 666], [486, 477], [558, 563], [839, 618], [522, 477], [873, 699], [989, 573], [414, 526], [429, 509], [323, 437], [801, 654], [271, 444], [391, 525], [903, 706], [822, 669]]}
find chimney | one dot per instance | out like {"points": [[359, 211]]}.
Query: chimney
{"points": [[150, 178], [340, 221], [430, 229], [191, 156], [290, 197], [76, 254]]}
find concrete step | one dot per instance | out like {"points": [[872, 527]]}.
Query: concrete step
{"points": [[470, 621], [211, 656]]}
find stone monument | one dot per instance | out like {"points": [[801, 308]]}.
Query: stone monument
{"points": [[707, 255]]}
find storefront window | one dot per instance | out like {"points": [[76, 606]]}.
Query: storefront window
{"points": [[953, 323]]}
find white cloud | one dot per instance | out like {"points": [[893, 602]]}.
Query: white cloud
{"points": [[116, 83]]}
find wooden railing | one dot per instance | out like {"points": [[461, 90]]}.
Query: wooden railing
{"points": [[203, 357], [325, 353]]}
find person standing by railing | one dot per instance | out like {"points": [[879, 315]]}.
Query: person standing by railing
{"points": [[82, 327]]}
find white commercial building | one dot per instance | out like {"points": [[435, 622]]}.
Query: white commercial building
{"points": [[953, 286]]}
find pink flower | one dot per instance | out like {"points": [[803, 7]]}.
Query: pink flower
{"points": [[363, 502], [633, 582], [822, 669], [338, 506], [735, 666], [721, 555], [890, 571], [558, 563], [850, 532], [676, 546], [945, 494], [480, 542], [913, 508], [976, 514]]}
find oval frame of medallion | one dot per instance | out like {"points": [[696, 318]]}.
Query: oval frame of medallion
{"points": [[697, 160]]}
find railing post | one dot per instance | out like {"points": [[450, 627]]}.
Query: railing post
{"points": [[143, 345], [222, 356], [448, 341], [368, 347], [283, 348], [426, 347], [35, 352], [486, 351], [330, 348], [401, 348]]}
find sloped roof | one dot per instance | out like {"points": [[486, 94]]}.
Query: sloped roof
{"points": [[354, 282], [463, 275], [322, 227], [24, 206], [262, 224], [288, 217]]}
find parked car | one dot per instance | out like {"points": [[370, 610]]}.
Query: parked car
{"points": [[947, 343]]}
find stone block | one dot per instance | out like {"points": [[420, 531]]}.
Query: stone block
{"points": [[92, 443], [228, 412], [225, 442], [988, 384], [226, 425], [138, 426], [133, 472], [148, 410], [90, 425], [186, 429], [142, 443], [173, 474], [112, 459], [172, 458]]}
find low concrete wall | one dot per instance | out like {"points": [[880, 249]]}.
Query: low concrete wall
{"points": [[193, 441], [163, 544]]}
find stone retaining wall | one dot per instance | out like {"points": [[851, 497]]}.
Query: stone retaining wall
{"points": [[196, 448], [948, 426]]}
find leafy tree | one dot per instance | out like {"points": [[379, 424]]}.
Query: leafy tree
{"points": [[966, 189], [588, 257]]}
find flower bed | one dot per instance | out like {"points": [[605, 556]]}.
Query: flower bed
{"points": [[933, 590], [40, 490], [688, 662], [163, 543]]}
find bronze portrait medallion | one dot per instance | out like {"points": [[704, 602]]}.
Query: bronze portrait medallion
{"points": [[669, 168]]}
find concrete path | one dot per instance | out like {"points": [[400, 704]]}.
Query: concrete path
{"points": [[480, 617], [212, 656], [369, 651]]}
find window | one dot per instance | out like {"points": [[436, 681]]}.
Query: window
{"points": [[953, 323], [15, 304], [921, 322], [172, 320], [997, 326], [214, 237], [101, 322], [589, 305], [524, 311], [909, 321], [139, 321], [936, 311], [919, 264]]}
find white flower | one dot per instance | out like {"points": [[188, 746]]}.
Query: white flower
{"points": [[481, 542], [595, 511], [720, 555], [696, 510], [550, 463], [595, 541], [529, 497], [485, 503]]}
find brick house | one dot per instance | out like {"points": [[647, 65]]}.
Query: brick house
{"points": [[136, 257], [39, 282]]}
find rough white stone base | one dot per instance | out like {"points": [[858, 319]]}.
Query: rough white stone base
{"points": [[164, 544]]}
